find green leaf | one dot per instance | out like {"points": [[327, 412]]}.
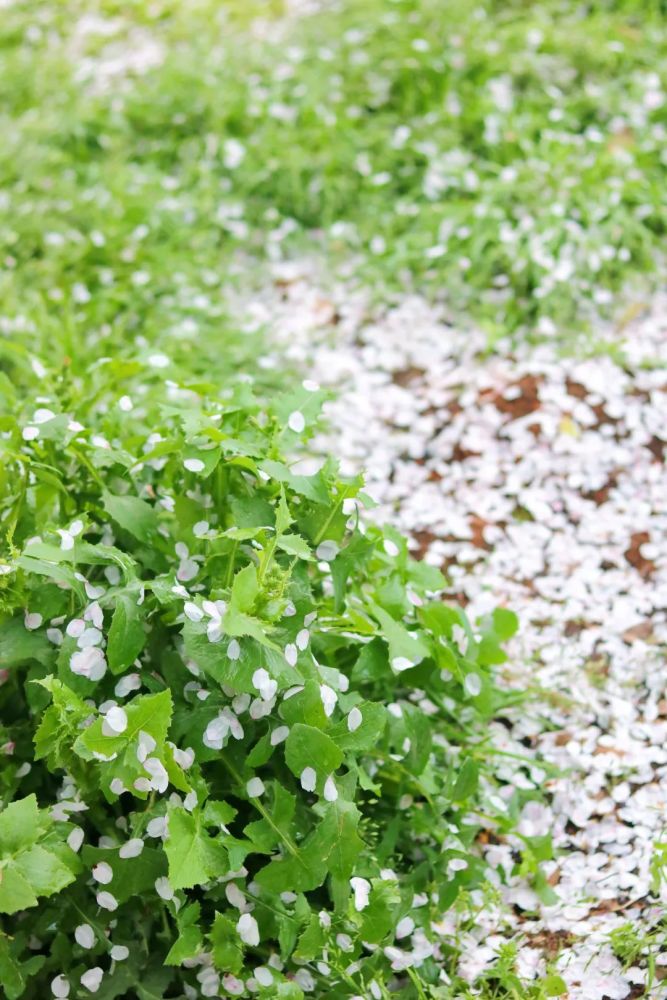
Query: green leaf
{"points": [[267, 834], [131, 876], [43, 870], [312, 940], [19, 825], [368, 734], [337, 838], [60, 723], [190, 940], [555, 985], [283, 516], [225, 945], [332, 848], [15, 891], [209, 457], [153, 985], [420, 734], [14, 974], [150, 713], [312, 487], [543, 890], [301, 400], [372, 665], [379, 917], [305, 706], [194, 857], [29, 869], [425, 576], [295, 545], [467, 781], [126, 636], [63, 575], [505, 624], [288, 991], [237, 623], [244, 589], [218, 813], [133, 515], [18, 645], [403, 645], [310, 747]]}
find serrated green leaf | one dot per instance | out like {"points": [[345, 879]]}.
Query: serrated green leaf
{"points": [[312, 487], [295, 545], [332, 848], [225, 945], [218, 813], [43, 870], [190, 940], [150, 713], [312, 940], [194, 857], [237, 623], [28, 869], [16, 893], [19, 825]]}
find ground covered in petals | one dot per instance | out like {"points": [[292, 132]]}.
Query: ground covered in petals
{"points": [[536, 481]]}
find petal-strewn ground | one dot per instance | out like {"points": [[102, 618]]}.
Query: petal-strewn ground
{"points": [[535, 481]]}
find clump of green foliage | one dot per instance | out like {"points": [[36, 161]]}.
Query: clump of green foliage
{"points": [[238, 725]]}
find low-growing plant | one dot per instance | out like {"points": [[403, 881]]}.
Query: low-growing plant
{"points": [[633, 946], [238, 723]]}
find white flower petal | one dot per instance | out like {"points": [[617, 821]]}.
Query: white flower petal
{"points": [[354, 719], [361, 888], [131, 848], [255, 788], [248, 930], [296, 421], [330, 790], [308, 779], [92, 979], [84, 935], [115, 721], [103, 873]]}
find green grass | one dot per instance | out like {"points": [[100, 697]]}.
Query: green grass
{"points": [[508, 158], [377, 134]]}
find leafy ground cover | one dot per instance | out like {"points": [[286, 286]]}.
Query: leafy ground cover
{"points": [[249, 724], [245, 738]]}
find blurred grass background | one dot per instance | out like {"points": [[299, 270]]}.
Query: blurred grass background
{"points": [[508, 157]]}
